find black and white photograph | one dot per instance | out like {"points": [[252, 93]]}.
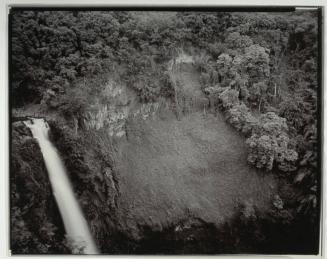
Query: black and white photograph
{"points": [[165, 131]]}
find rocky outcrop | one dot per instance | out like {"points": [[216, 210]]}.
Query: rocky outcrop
{"points": [[117, 105]]}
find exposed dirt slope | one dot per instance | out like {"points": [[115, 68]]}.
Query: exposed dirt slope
{"points": [[172, 169]]}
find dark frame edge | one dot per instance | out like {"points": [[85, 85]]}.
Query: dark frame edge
{"points": [[208, 8], [320, 125], [9, 119]]}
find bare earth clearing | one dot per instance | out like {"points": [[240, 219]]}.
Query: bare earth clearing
{"points": [[172, 169]]}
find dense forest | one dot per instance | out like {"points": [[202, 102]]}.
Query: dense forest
{"points": [[259, 70]]}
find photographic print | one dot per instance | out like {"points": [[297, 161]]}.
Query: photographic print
{"points": [[165, 131]]}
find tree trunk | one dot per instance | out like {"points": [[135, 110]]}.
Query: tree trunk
{"points": [[260, 104]]}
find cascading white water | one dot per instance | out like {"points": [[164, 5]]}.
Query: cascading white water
{"points": [[75, 224]]}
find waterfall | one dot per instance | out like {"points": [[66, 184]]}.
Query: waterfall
{"points": [[75, 224]]}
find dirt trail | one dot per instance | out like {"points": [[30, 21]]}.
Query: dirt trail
{"points": [[196, 166]]}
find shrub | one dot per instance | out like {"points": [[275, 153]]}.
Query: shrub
{"points": [[271, 124], [73, 103], [241, 118], [261, 151], [236, 41], [205, 79], [216, 48], [228, 98], [224, 63], [297, 113], [270, 143], [256, 61]]}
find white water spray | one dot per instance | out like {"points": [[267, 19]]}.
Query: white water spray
{"points": [[75, 224]]}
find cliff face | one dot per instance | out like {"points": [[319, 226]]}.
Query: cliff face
{"points": [[36, 226], [109, 109], [149, 180], [140, 173], [113, 107]]}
